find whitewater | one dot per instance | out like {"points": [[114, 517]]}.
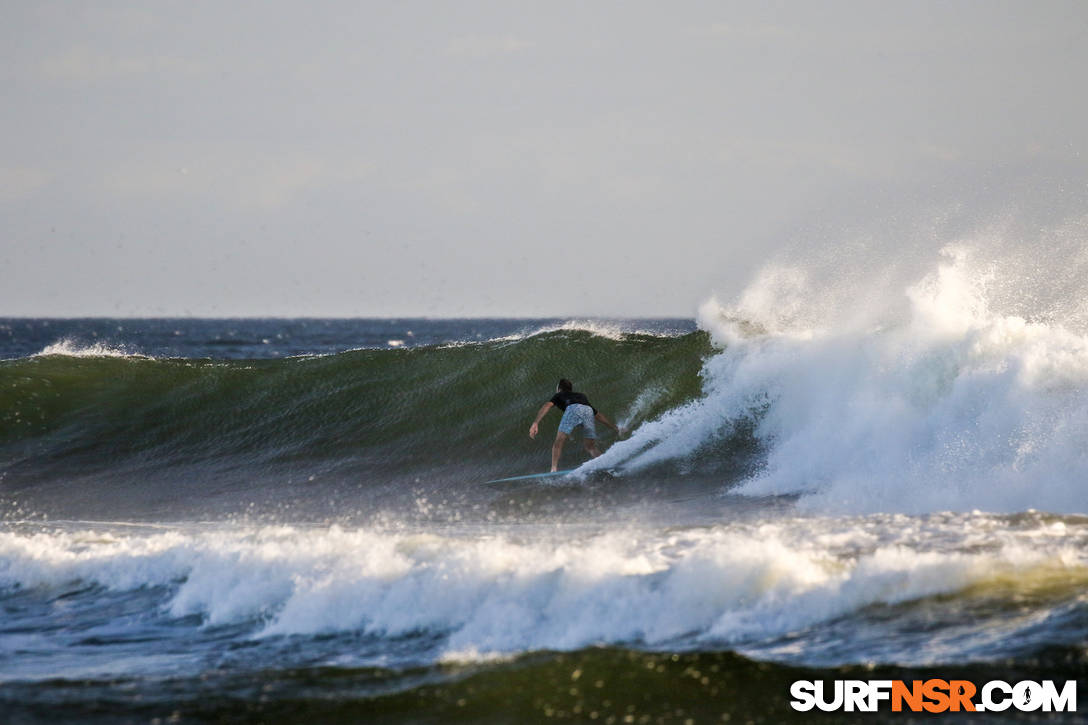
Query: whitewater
{"points": [[947, 405], [838, 472]]}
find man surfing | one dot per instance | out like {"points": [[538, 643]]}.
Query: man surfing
{"points": [[576, 412]]}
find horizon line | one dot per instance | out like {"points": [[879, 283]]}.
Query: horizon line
{"points": [[347, 317]]}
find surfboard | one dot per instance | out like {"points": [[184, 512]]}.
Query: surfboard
{"points": [[557, 474]]}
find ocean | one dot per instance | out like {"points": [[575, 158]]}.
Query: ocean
{"points": [[281, 521]]}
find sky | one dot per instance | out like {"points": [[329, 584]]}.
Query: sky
{"points": [[528, 159]]}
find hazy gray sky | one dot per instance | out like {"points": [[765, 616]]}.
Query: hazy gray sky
{"points": [[474, 158]]}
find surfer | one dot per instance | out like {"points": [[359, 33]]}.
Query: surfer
{"points": [[577, 411]]}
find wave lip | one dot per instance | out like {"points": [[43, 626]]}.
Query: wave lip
{"points": [[614, 330]]}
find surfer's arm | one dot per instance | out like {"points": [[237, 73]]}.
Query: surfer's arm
{"points": [[540, 414], [601, 417]]}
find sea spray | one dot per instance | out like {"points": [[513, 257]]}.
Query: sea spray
{"points": [[933, 401]]}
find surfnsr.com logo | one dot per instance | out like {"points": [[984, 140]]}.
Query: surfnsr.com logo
{"points": [[933, 696]]}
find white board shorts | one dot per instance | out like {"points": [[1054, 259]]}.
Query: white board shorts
{"points": [[576, 415]]}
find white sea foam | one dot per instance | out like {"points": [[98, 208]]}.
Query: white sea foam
{"points": [[737, 585], [608, 329], [615, 330], [933, 397], [70, 348]]}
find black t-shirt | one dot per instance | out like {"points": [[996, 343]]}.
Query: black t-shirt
{"points": [[564, 398]]}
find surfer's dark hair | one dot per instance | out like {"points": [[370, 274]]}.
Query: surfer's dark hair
{"points": [[565, 385]]}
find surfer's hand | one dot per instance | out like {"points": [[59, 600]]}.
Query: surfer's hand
{"points": [[532, 430]]}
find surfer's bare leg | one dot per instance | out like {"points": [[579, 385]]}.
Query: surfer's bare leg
{"points": [[591, 447], [557, 449]]}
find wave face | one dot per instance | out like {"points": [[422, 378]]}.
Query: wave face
{"points": [[964, 388], [88, 432]]}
